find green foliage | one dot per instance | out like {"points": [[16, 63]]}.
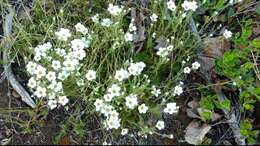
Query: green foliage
{"points": [[238, 67], [247, 131], [210, 103]]}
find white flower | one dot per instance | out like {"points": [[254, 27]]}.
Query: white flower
{"points": [[87, 41], [52, 104], [171, 136], [91, 75], [113, 114], [51, 76], [106, 109], [227, 34], [195, 65], [77, 44], [57, 86], [189, 5], [32, 83], [98, 104], [63, 75], [183, 15], [132, 27], [177, 90], [142, 108], [114, 90], [63, 100], [105, 143], [40, 72], [81, 28], [60, 52], [187, 70], [131, 101], [154, 17], [129, 37], [121, 75], [171, 5], [51, 96], [31, 67], [124, 131], [106, 22], [160, 125], [113, 123], [41, 50], [108, 97], [234, 1], [63, 34], [164, 51], [70, 65], [136, 68], [156, 92], [114, 10], [40, 92], [80, 82], [37, 57], [95, 18], [171, 108], [80, 54]]}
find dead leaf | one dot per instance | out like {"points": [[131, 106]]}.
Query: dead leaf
{"points": [[215, 117], [256, 30], [195, 132], [6, 141], [192, 109], [139, 19], [192, 114], [193, 104], [15, 94], [65, 140], [213, 48]]}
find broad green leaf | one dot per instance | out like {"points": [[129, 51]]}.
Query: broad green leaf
{"points": [[226, 104], [256, 43], [206, 114]]}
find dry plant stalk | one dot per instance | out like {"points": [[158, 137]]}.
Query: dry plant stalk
{"points": [[7, 27]]}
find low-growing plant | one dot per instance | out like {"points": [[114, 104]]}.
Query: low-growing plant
{"points": [[95, 61], [126, 63]]}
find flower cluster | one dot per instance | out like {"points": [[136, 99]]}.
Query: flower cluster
{"points": [[129, 36], [118, 95], [189, 5], [115, 91], [164, 51], [126, 90], [114, 10], [54, 63], [195, 66]]}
